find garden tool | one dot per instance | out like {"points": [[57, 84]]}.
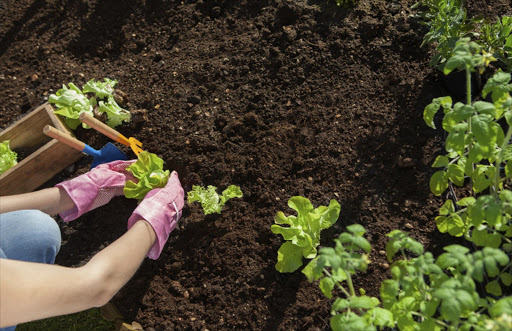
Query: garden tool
{"points": [[111, 133], [108, 153]]}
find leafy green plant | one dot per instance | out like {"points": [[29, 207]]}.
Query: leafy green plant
{"points": [[210, 200], [429, 294], [148, 169], [496, 38], [477, 148], [302, 232], [72, 101], [8, 158], [423, 293], [447, 22], [333, 269]]}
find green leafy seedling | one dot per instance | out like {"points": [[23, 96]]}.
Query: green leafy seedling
{"points": [[302, 232], [210, 200]]}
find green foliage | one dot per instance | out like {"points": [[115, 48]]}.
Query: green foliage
{"points": [[149, 171], [478, 149], [302, 232], [447, 22], [210, 200], [423, 293], [71, 102], [496, 38], [8, 158]]}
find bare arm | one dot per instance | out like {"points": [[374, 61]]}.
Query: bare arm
{"points": [[51, 201], [31, 291]]}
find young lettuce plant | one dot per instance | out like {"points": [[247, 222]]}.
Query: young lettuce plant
{"points": [[71, 102], [8, 158], [148, 169], [210, 200], [302, 232]]}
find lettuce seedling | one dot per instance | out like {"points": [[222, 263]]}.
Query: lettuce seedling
{"points": [[210, 199], [302, 231], [71, 102], [115, 114], [149, 171], [8, 158]]}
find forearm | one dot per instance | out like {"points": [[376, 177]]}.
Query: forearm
{"points": [[51, 201], [117, 263], [31, 291]]}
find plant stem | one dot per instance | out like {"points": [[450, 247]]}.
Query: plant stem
{"points": [[468, 102], [498, 161]]}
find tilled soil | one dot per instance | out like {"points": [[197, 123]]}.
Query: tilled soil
{"points": [[282, 98]]}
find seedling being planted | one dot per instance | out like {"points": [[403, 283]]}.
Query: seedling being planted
{"points": [[149, 171], [210, 200], [302, 232]]}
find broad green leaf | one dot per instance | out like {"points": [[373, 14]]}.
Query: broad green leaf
{"points": [[453, 224], [440, 162], [455, 173], [431, 109], [289, 258], [485, 132], [483, 238], [484, 107], [455, 141], [447, 208], [379, 317], [494, 288], [506, 278], [438, 182], [466, 201], [349, 322], [502, 306], [326, 286]]}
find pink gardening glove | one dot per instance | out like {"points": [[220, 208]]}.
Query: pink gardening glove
{"points": [[162, 209], [96, 187]]}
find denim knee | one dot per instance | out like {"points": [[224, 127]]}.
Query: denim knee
{"points": [[29, 235]]}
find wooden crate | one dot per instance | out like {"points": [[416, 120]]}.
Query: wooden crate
{"points": [[45, 156]]}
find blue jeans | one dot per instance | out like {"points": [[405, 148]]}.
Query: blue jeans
{"points": [[28, 235]]}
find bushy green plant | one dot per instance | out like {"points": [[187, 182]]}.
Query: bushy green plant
{"points": [[496, 38], [424, 293], [477, 148], [447, 22]]}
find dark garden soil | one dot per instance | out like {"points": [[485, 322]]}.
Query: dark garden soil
{"points": [[282, 98]]}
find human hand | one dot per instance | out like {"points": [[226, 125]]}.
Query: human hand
{"points": [[96, 187], [161, 208]]}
